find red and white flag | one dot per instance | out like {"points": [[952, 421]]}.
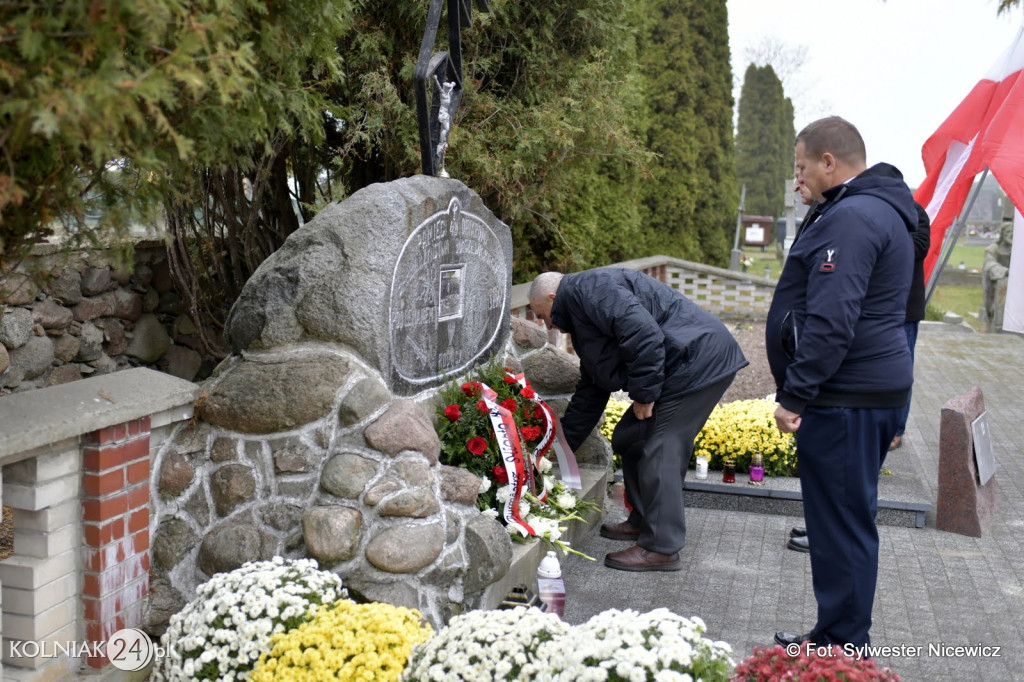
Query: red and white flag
{"points": [[1013, 310], [985, 130]]}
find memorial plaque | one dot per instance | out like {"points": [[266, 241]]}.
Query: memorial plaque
{"points": [[448, 297], [983, 457]]}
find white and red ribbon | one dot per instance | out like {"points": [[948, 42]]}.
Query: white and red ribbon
{"points": [[510, 446], [553, 437]]}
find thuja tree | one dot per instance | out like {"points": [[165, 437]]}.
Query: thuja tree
{"points": [[764, 141], [108, 106], [691, 198], [263, 161], [546, 133]]}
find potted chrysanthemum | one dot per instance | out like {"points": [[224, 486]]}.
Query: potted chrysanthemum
{"points": [[488, 646], [221, 634], [345, 641], [626, 645]]}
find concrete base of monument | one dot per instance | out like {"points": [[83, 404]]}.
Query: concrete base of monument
{"points": [[902, 497], [526, 556]]}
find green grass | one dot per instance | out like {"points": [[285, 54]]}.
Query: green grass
{"points": [[962, 300], [973, 257]]}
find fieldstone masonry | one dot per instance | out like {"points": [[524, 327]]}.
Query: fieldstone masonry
{"points": [[77, 315], [317, 437]]}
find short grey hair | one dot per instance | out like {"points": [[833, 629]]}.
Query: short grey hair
{"points": [[544, 284]]}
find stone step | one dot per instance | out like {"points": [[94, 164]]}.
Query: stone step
{"points": [[902, 498], [526, 556]]}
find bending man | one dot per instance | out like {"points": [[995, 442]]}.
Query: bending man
{"points": [[634, 333]]}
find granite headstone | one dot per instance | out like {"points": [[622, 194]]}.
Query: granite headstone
{"points": [[964, 505]]}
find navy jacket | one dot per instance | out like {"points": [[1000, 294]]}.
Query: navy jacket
{"points": [[834, 334], [922, 240], [634, 333]]}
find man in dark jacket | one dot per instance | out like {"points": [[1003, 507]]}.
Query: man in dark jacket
{"points": [[836, 347], [634, 333], [915, 305]]}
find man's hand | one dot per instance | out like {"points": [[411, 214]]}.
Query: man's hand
{"points": [[643, 410], [787, 421]]}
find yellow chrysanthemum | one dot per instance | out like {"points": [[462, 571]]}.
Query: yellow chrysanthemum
{"points": [[346, 641], [738, 430]]}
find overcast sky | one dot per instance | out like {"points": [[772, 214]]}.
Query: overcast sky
{"points": [[895, 69]]}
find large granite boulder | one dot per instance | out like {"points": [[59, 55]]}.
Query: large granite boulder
{"points": [[421, 254]]}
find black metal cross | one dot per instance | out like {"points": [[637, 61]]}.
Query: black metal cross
{"points": [[442, 71]]}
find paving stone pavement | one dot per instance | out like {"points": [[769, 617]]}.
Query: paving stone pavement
{"points": [[935, 588]]}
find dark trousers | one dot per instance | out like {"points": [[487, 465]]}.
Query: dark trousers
{"points": [[840, 451], [911, 330], [655, 456]]}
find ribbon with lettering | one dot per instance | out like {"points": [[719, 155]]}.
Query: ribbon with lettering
{"points": [[506, 433], [553, 437]]}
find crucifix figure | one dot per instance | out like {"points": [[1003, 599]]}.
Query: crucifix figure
{"points": [[444, 118]]}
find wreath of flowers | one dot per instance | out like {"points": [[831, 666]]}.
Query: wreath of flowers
{"points": [[467, 433]]}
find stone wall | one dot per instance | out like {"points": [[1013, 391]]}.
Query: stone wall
{"points": [[65, 316], [304, 452]]}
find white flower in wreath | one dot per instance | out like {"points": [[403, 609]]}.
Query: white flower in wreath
{"points": [[503, 493], [490, 513], [485, 485], [566, 500], [544, 465]]}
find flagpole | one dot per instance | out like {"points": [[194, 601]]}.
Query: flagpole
{"points": [[951, 242]]}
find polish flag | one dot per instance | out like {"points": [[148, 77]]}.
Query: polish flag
{"points": [[985, 130], [1013, 310]]}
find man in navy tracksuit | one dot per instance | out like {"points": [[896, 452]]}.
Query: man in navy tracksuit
{"points": [[837, 349], [634, 333]]}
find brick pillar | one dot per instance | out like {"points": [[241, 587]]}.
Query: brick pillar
{"points": [[115, 523]]}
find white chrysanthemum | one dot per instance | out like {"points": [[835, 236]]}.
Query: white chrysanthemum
{"points": [[503, 493], [485, 485], [544, 465], [658, 645], [225, 629], [487, 645]]}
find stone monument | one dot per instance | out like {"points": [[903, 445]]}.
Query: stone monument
{"points": [[995, 276], [316, 438], [965, 502], [412, 275]]}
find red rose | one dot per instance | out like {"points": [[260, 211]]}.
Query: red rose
{"points": [[500, 474], [476, 445], [482, 406], [510, 404], [531, 432], [528, 393], [453, 413]]}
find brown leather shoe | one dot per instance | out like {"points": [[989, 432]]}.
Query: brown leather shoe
{"points": [[620, 531], [636, 558]]}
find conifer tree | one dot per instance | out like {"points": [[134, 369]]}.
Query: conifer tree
{"points": [[764, 141], [691, 198]]}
